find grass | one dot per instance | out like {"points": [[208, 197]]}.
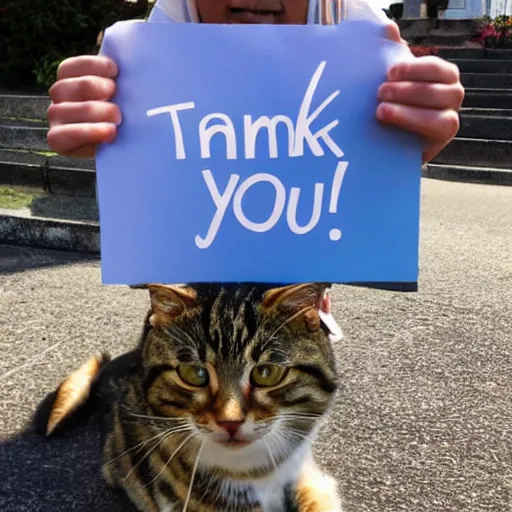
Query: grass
{"points": [[25, 119], [46, 153], [32, 151], [14, 198]]}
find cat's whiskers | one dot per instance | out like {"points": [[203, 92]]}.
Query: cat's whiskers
{"points": [[299, 415], [294, 435], [208, 488], [141, 445], [297, 433], [191, 341], [272, 458], [286, 444], [159, 441], [289, 417], [159, 418], [192, 478], [182, 444]]}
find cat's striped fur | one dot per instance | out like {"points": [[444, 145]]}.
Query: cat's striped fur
{"points": [[191, 422]]}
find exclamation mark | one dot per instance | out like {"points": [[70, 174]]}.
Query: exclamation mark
{"points": [[337, 182]]}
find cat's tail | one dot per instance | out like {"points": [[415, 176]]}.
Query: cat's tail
{"points": [[72, 401]]}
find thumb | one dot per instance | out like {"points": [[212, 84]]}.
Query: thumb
{"points": [[393, 33]]}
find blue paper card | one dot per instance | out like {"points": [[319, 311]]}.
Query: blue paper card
{"points": [[252, 153]]}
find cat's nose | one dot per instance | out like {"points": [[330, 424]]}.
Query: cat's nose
{"points": [[231, 427]]}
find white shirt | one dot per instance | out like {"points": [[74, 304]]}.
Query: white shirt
{"points": [[185, 10]]}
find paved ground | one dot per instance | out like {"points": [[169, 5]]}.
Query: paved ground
{"points": [[423, 422]]}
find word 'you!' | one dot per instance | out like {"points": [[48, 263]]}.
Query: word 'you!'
{"points": [[299, 134]]}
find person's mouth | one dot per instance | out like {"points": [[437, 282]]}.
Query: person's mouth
{"points": [[247, 11]]}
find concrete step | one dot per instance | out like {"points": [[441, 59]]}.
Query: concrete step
{"points": [[23, 137], [411, 27], [500, 112], [488, 98], [483, 65], [50, 179], [486, 80], [484, 175], [477, 153], [440, 38], [44, 158], [485, 127], [457, 26], [24, 106], [22, 229], [470, 53], [32, 217]]}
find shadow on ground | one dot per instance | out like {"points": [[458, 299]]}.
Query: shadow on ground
{"points": [[77, 208], [40, 473], [19, 259]]}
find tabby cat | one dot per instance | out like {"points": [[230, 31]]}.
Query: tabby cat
{"points": [[217, 407]]}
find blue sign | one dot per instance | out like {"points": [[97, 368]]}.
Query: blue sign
{"points": [[252, 153]]}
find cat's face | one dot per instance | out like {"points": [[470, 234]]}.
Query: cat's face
{"points": [[248, 370]]}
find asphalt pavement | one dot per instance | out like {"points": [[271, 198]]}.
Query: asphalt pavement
{"points": [[423, 420]]}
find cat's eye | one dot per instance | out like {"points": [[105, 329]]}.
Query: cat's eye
{"points": [[193, 374], [267, 375]]}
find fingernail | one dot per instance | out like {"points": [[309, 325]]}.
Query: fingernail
{"points": [[381, 113], [386, 94], [118, 118], [394, 74], [384, 111], [111, 137]]}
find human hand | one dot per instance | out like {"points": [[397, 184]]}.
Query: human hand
{"points": [[422, 96], [81, 115]]}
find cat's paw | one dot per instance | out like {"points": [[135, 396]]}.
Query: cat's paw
{"points": [[317, 492]]}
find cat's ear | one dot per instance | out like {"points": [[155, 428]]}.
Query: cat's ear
{"points": [[294, 297], [169, 302], [315, 298]]}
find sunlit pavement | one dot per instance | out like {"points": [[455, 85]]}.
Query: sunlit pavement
{"points": [[423, 420]]}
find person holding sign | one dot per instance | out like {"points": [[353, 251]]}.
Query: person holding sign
{"points": [[234, 377], [422, 95]]}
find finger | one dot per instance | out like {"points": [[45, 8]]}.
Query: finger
{"points": [[71, 137], [393, 33], [84, 88], [421, 94], [83, 112], [83, 152], [87, 65], [425, 69], [432, 151], [435, 126]]}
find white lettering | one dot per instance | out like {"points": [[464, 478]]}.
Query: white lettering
{"points": [[221, 202], [178, 135], [206, 134], [251, 130], [291, 212], [260, 227], [304, 120]]}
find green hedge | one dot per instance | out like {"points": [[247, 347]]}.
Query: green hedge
{"points": [[36, 35]]}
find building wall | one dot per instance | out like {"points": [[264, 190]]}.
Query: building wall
{"points": [[465, 9], [412, 9], [462, 9], [500, 7]]}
